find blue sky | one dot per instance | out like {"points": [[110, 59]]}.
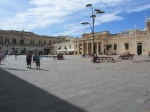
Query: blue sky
{"points": [[64, 17]]}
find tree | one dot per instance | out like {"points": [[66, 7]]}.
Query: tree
{"points": [[126, 46], [59, 48], [109, 46]]}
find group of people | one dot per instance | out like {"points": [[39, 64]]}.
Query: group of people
{"points": [[60, 56], [36, 58]]}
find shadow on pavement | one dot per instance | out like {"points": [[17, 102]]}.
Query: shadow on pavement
{"points": [[141, 61], [17, 95], [39, 69], [14, 69], [145, 61]]}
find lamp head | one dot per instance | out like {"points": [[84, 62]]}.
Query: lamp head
{"points": [[88, 5], [93, 16], [99, 11], [84, 23]]}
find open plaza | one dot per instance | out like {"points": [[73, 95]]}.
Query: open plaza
{"points": [[75, 85]]}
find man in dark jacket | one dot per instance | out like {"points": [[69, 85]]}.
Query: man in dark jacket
{"points": [[29, 59]]}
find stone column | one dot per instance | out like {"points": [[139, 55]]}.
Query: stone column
{"points": [[78, 52], [87, 48], [83, 48], [92, 48], [74, 49], [102, 45], [97, 48]]}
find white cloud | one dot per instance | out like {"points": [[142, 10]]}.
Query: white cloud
{"points": [[108, 18], [61, 16], [138, 9]]}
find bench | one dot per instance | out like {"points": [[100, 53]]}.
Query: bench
{"points": [[49, 56], [108, 58], [127, 56], [99, 59]]}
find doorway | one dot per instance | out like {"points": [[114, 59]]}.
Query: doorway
{"points": [[139, 48]]}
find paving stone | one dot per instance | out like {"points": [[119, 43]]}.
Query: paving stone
{"points": [[75, 85]]}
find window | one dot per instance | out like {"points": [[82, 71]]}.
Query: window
{"points": [[32, 42], [6, 40], [44, 42], [40, 42], [65, 47], [126, 45], [21, 42], [70, 46], [49, 43], [13, 41], [115, 46], [59, 47], [107, 47]]}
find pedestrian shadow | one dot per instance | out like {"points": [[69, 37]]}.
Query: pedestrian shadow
{"points": [[17, 95], [14, 69], [39, 69]]}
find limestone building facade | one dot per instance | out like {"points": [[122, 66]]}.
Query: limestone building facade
{"points": [[21, 42], [133, 41]]}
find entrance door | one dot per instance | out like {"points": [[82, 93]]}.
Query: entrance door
{"points": [[139, 48]]}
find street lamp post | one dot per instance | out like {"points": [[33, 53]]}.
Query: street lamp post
{"points": [[93, 16]]}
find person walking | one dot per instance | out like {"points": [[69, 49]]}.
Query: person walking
{"points": [[0, 57], [29, 59], [15, 56], [34, 56], [37, 60]]}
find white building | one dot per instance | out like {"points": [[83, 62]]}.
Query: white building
{"points": [[65, 47]]}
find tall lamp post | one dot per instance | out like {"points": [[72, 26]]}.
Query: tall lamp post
{"points": [[93, 16]]}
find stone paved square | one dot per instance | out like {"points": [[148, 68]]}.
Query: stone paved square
{"points": [[75, 85]]}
